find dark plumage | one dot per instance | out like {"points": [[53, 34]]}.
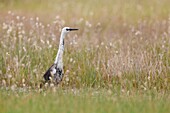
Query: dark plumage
{"points": [[54, 74]]}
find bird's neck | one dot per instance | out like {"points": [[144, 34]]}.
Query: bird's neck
{"points": [[59, 57]]}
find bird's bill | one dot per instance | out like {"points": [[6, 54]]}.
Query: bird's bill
{"points": [[72, 29]]}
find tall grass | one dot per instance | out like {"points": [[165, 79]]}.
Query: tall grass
{"points": [[118, 61], [116, 47]]}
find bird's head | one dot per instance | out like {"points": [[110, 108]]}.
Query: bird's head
{"points": [[68, 29]]}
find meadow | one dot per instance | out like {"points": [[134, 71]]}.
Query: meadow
{"points": [[118, 61]]}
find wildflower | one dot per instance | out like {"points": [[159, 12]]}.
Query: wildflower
{"points": [[3, 82], [88, 24], [9, 30], [37, 18], [23, 32], [13, 87], [9, 76], [42, 41], [102, 43], [9, 12], [138, 33], [23, 80], [51, 85], [67, 79], [71, 59], [23, 85], [17, 17], [4, 26]]}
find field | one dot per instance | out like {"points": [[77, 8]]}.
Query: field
{"points": [[118, 61]]}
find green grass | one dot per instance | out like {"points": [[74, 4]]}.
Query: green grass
{"points": [[118, 61], [82, 101]]}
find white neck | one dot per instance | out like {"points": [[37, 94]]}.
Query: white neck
{"points": [[59, 57]]}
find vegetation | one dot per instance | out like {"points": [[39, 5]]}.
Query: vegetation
{"points": [[119, 60]]}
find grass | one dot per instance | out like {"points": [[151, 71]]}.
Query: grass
{"points": [[119, 60], [82, 101]]}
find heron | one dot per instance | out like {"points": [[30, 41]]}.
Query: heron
{"points": [[55, 72]]}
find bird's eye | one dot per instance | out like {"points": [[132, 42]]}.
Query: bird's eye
{"points": [[67, 29]]}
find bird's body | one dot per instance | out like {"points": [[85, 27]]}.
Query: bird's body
{"points": [[55, 72]]}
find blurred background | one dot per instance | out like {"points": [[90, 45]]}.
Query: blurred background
{"points": [[92, 10], [119, 60]]}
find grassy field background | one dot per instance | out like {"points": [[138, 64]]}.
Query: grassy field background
{"points": [[118, 61]]}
